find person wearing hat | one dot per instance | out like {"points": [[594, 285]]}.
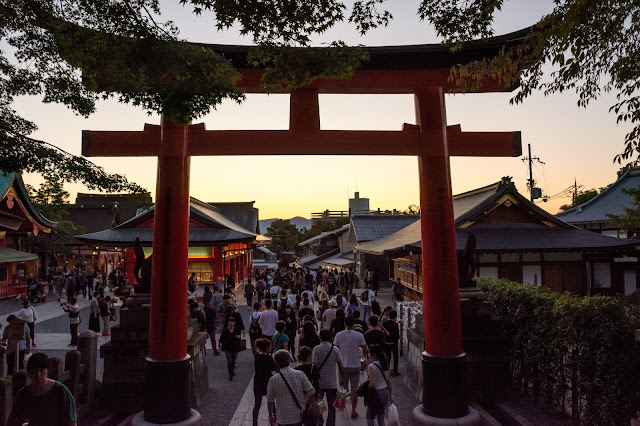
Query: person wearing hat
{"points": [[329, 315]]}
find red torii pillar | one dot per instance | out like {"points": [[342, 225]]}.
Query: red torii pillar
{"points": [[431, 140], [445, 390]]}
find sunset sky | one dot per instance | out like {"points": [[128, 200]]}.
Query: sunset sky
{"points": [[571, 141]]}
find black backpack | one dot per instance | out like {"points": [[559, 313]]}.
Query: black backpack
{"points": [[364, 296], [254, 327]]}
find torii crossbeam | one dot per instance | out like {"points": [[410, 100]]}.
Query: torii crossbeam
{"points": [[423, 73]]}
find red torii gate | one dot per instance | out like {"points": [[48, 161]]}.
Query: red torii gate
{"points": [[431, 140]]}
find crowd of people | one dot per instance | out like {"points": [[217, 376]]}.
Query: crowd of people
{"points": [[327, 322], [312, 334]]}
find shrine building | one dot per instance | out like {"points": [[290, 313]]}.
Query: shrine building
{"points": [[221, 238], [518, 241], [18, 219]]}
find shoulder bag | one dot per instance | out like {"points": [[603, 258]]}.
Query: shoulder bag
{"points": [[311, 411]]}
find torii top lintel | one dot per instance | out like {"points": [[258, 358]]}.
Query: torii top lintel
{"points": [[391, 69]]}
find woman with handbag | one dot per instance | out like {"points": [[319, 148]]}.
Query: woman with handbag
{"points": [[379, 394]]}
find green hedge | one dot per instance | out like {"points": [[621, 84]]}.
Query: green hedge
{"points": [[575, 354]]}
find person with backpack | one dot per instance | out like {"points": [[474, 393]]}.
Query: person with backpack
{"points": [[249, 290], [255, 330], [327, 357], [366, 297]]}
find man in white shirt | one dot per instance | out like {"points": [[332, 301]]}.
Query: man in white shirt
{"points": [[268, 320], [275, 292], [350, 342], [28, 315]]}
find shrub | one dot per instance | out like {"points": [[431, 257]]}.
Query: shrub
{"points": [[575, 354]]}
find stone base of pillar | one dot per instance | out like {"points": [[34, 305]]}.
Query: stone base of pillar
{"points": [[193, 420], [167, 391], [445, 392], [422, 419]]}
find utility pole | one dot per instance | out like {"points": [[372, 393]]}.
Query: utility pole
{"points": [[533, 192], [575, 190]]}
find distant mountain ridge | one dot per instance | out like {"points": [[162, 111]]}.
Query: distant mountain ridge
{"points": [[299, 221]]}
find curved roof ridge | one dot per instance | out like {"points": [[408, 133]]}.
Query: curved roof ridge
{"points": [[493, 186]]}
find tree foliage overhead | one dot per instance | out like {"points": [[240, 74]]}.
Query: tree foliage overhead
{"points": [[591, 47], [78, 52]]}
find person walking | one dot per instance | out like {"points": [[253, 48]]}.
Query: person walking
{"points": [[380, 383], [329, 315], [264, 365], [106, 318], [366, 297], [267, 321], [24, 345], [229, 344], [327, 357], [255, 331], [210, 322], [309, 335], [391, 340], [70, 284], [398, 290], [28, 315], [287, 392], [350, 343], [44, 401], [280, 339], [249, 290], [260, 289], [291, 328], [74, 318], [94, 314]]}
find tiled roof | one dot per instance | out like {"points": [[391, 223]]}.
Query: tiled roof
{"points": [[8, 255], [312, 259], [8, 180], [395, 241], [610, 201], [374, 227], [325, 234], [501, 237], [220, 230], [531, 237], [92, 219], [128, 204], [243, 213]]}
